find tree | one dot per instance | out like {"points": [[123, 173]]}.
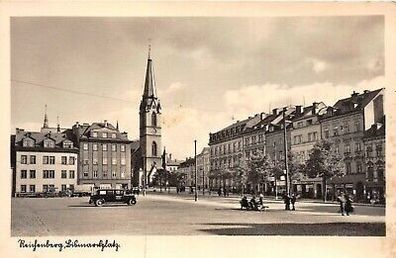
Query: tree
{"points": [[240, 173], [325, 163]]}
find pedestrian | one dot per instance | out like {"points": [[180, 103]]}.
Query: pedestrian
{"points": [[341, 200], [261, 199], [177, 189], [286, 199], [219, 191], [253, 203], [348, 205], [293, 201]]}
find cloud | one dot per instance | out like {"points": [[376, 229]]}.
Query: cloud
{"points": [[318, 66]]}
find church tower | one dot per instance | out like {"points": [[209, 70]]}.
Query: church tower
{"points": [[150, 124]]}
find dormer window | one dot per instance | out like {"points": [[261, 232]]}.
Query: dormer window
{"points": [[104, 135], [113, 135], [95, 134], [27, 142], [48, 143], [67, 145]]}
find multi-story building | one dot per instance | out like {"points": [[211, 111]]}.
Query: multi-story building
{"points": [[374, 146], [43, 162], [226, 150], [203, 168], [104, 155], [187, 169], [344, 124], [305, 133]]}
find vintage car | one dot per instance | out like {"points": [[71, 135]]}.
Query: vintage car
{"points": [[102, 196]]}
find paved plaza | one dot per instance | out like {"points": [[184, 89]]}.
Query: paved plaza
{"points": [[161, 214]]}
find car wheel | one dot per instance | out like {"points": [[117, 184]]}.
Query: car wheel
{"points": [[99, 203], [131, 202]]}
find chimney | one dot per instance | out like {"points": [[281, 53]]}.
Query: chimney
{"points": [[275, 111], [170, 156], [298, 110], [354, 96], [105, 123], [366, 91], [330, 111], [314, 107], [262, 116]]}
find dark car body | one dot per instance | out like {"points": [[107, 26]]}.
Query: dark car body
{"points": [[102, 196]]}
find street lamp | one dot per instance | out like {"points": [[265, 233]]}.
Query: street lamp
{"points": [[195, 155], [285, 146]]}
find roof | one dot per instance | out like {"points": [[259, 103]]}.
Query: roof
{"points": [[376, 130], [40, 137], [356, 101]]}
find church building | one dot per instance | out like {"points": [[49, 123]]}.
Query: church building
{"points": [[146, 158]]}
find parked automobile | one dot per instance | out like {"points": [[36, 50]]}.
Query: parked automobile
{"points": [[102, 196]]}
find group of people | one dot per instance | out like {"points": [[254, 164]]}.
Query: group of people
{"points": [[253, 204], [345, 201], [289, 199]]}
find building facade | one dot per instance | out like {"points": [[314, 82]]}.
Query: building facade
{"points": [[344, 125], [104, 156], [203, 168], [43, 162]]}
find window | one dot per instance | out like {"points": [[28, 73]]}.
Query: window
{"points": [[85, 146], [358, 146], [122, 147], [64, 160], [346, 126], [23, 188], [32, 188], [48, 173], [23, 159], [52, 159], [113, 147], [32, 159], [49, 144], [64, 187], [85, 174], [337, 149], [300, 124], [71, 187], [32, 173], [72, 160], [370, 173], [95, 146], [378, 149], [347, 148], [357, 126], [153, 119], [113, 135], [348, 167], [123, 161], [359, 168], [335, 131], [67, 145], [45, 188], [104, 173], [104, 147], [380, 174], [154, 149], [104, 135], [122, 174], [95, 134], [309, 122], [369, 149], [95, 173], [104, 161], [95, 161], [114, 173], [114, 161], [23, 174], [71, 174], [327, 133], [45, 159], [63, 174]]}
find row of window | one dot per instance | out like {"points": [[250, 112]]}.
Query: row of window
{"points": [[47, 160], [104, 174], [226, 148], [104, 135], [46, 174], [104, 161], [48, 143], [46, 188], [312, 137], [342, 129], [104, 147]]}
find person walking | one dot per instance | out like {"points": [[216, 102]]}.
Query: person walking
{"points": [[219, 191], [293, 201], [348, 205], [286, 200], [341, 199]]}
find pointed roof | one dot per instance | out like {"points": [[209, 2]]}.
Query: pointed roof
{"points": [[150, 90], [45, 124]]}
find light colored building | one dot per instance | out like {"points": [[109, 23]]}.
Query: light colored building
{"points": [[43, 162], [344, 125], [374, 146], [203, 168], [104, 156], [187, 169]]}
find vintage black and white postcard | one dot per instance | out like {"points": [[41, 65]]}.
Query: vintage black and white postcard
{"points": [[174, 129]]}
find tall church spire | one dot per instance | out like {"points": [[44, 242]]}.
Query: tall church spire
{"points": [[150, 90], [45, 124]]}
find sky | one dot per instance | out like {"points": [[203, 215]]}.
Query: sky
{"points": [[210, 72]]}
